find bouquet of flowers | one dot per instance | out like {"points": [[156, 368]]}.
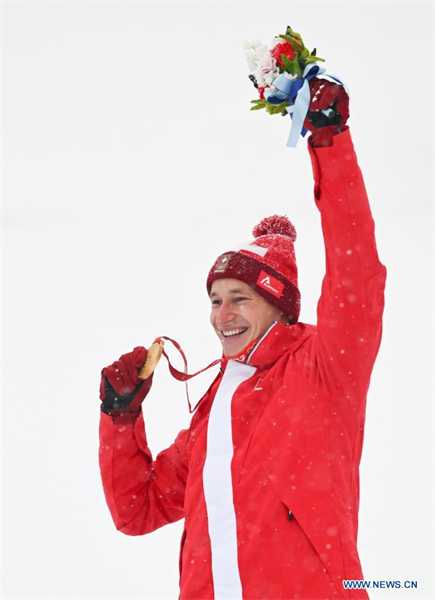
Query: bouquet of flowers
{"points": [[281, 74], [287, 56]]}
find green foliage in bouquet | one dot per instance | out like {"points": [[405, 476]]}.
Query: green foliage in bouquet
{"points": [[303, 56], [272, 109]]}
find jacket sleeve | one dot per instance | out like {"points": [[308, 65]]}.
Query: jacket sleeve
{"points": [[142, 494], [349, 313]]}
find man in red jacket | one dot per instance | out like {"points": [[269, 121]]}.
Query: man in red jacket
{"points": [[267, 475]]}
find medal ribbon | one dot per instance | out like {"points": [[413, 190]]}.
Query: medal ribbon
{"points": [[183, 376]]}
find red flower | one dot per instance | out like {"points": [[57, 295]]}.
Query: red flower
{"points": [[283, 48], [261, 91]]}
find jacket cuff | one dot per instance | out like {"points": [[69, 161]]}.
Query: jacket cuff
{"points": [[341, 142], [327, 159], [119, 416]]}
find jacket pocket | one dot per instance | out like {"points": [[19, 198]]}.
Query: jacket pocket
{"points": [[294, 522]]}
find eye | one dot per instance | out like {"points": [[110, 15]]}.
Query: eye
{"points": [[216, 302], [240, 299]]}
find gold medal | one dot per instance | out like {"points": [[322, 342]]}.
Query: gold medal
{"points": [[154, 354]]}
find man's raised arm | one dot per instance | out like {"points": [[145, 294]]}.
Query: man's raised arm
{"points": [[350, 308]]}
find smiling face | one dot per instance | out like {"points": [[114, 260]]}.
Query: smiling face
{"points": [[240, 315]]}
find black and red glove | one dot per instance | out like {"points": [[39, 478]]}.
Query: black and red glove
{"points": [[331, 97], [121, 390]]}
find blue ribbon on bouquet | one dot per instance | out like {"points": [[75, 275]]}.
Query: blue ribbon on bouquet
{"points": [[297, 93]]}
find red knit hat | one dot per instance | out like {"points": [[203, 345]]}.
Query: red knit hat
{"points": [[267, 264]]}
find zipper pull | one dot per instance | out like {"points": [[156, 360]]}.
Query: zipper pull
{"points": [[290, 515]]}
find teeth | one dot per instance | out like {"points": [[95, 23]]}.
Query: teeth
{"points": [[233, 332]]}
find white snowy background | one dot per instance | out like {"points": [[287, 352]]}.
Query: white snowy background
{"points": [[130, 161]]}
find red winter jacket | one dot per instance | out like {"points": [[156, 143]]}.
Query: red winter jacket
{"points": [[266, 476]]}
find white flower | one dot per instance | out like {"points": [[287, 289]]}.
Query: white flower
{"points": [[260, 52], [259, 77], [252, 65], [256, 44], [270, 77], [289, 75], [266, 70], [250, 59], [265, 79], [255, 55]]}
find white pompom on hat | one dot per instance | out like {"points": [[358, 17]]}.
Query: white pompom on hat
{"points": [[267, 264]]}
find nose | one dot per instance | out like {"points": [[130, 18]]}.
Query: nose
{"points": [[225, 314]]}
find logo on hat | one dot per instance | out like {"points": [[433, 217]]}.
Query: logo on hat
{"points": [[271, 284], [222, 264]]}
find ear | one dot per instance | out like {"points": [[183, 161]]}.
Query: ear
{"points": [[283, 319]]}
